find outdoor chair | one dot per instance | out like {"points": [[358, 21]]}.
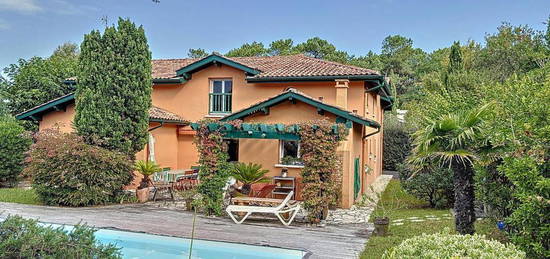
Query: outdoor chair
{"points": [[186, 182], [164, 181], [278, 211]]}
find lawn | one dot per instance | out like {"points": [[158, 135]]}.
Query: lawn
{"points": [[18, 195], [407, 207]]}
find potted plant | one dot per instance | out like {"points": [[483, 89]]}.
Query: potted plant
{"points": [[383, 211], [289, 160], [188, 196], [145, 168], [248, 174]]}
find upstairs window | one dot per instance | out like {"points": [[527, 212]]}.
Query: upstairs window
{"points": [[220, 95]]}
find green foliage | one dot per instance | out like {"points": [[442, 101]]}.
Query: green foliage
{"points": [[513, 49], [322, 172], [530, 222], [452, 246], [254, 49], [281, 47], [197, 53], [146, 168], [322, 49], [452, 140], [433, 184], [66, 171], [455, 58], [37, 80], [26, 238], [114, 88], [19, 195], [494, 190], [214, 169], [249, 173], [14, 143], [397, 142]]}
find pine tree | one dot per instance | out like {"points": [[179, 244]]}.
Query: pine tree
{"points": [[114, 88]]}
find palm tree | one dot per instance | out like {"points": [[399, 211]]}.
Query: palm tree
{"points": [[452, 140], [146, 168], [249, 174]]}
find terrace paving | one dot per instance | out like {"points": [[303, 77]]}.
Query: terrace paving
{"points": [[331, 241]]}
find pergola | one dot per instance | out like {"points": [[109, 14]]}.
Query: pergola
{"points": [[261, 130]]}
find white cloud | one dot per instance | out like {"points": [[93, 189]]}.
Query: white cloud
{"points": [[23, 6]]}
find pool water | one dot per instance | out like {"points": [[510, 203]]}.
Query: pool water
{"points": [[140, 245]]}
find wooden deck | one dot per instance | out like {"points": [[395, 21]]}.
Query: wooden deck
{"points": [[342, 241]]}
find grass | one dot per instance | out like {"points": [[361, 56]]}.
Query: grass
{"points": [[405, 206], [18, 195]]}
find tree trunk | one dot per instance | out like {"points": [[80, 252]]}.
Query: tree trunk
{"points": [[464, 197]]}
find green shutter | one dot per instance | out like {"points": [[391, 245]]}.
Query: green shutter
{"points": [[357, 181]]}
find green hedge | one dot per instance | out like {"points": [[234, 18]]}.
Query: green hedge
{"points": [[26, 238], [14, 142], [66, 171], [397, 142], [452, 246], [433, 184]]}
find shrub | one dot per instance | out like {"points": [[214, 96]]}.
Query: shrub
{"points": [[494, 190], [530, 223], [452, 246], [432, 184], [397, 143], [13, 144], [66, 171], [26, 238]]}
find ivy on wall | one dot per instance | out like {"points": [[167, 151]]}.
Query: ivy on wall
{"points": [[322, 172], [213, 166]]}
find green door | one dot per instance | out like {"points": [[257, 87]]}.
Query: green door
{"points": [[357, 179]]}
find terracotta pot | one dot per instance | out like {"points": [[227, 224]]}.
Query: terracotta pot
{"points": [[381, 226], [142, 194]]}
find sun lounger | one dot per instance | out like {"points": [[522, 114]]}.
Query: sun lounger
{"points": [[282, 208]]}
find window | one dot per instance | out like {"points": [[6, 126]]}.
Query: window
{"points": [[232, 149], [220, 95], [290, 153]]}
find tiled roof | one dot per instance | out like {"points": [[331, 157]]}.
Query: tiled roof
{"points": [[164, 115], [274, 66], [292, 92]]}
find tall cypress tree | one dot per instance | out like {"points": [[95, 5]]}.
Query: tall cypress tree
{"points": [[455, 58], [114, 88]]}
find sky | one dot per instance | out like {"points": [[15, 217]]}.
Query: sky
{"points": [[36, 27]]}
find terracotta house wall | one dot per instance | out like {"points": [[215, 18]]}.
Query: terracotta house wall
{"points": [[63, 120], [190, 100]]}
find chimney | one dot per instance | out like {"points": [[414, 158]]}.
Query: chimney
{"points": [[342, 93]]}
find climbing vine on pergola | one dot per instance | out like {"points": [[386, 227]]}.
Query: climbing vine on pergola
{"points": [[319, 140]]}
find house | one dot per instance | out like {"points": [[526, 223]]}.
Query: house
{"points": [[276, 89]]}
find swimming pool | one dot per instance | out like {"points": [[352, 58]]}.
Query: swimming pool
{"points": [[140, 245]]}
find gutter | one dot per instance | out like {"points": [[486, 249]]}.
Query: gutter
{"points": [[370, 134], [156, 127]]}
